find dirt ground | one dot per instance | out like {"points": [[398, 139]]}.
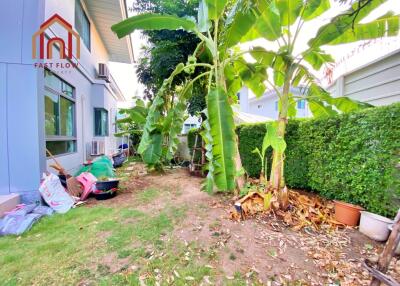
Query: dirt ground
{"points": [[262, 249]]}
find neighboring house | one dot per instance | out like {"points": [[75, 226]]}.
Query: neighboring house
{"points": [[65, 103], [190, 122], [267, 104], [377, 82], [241, 117]]}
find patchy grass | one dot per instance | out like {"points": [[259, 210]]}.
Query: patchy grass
{"points": [[147, 195], [72, 248], [54, 250], [170, 261]]}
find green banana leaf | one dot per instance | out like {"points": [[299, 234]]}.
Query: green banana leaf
{"points": [[224, 139], [314, 8], [215, 8], [341, 24], [149, 21]]}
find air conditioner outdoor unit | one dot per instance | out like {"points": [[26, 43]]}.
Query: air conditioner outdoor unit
{"points": [[98, 148], [103, 72]]}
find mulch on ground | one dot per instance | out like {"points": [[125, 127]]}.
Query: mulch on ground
{"points": [[264, 248]]}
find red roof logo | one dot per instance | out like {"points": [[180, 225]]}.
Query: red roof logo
{"points": [[66, 50]]}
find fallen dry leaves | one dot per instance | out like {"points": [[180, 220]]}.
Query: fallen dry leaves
{"points": [[324, 240], [309, 211]]}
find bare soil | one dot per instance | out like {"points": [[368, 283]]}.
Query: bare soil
{"points": [[261, 249]]}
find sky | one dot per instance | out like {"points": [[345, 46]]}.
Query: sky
{"points": [[125, 74], [348, 57]]}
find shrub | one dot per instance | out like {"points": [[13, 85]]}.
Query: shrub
{"points": [[350, 157], [191, 138], [250, 137]]}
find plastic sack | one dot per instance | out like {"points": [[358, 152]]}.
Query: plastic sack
{"points": [[119, 160], [43, 210], [22, 218], [16, 224], [102, 167], [54, 194]]}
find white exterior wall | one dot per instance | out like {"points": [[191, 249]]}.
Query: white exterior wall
{"points": [[21, 126], [377, 83], [90, 92], [244, 95], [190, 123], [22, 131], [89, 60], [266, 104]]}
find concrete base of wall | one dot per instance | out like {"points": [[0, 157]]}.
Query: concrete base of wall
{"points": [[32, 197], [8, 202]]}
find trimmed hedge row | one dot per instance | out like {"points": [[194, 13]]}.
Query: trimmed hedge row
{"points": [[191, 139], [350, 157]]}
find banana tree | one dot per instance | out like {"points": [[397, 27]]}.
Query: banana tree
{"points": [[132, 122], [281, 24], [219, 26], [271, 139], [134, 118]]}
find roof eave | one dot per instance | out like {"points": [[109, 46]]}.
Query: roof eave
{"points": [[104, 14]]}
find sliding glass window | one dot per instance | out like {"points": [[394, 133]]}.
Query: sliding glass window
{"points": [[60, 116], [100, 122]]}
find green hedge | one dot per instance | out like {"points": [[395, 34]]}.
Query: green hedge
{"points": [[250, 137], [191, 138], [349, 157]]}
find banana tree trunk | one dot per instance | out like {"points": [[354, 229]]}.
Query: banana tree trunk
{"points": [[240, 179], [277, 180]]}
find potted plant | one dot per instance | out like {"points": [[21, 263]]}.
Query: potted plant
{"points": [[346, 213]]}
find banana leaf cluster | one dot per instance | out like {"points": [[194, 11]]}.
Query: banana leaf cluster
{"points": [[224, 28]]}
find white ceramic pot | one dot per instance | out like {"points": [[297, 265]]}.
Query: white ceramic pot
{"points": [[375, 226], [397, 252]]}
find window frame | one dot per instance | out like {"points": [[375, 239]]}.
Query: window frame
{"points": [[62, 138], [301, 104], [94, 122], [78, 2]]}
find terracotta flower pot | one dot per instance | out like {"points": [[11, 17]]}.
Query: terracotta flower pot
{"points": [[347, 213]]}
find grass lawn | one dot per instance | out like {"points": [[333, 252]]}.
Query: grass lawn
{"points": [[105, 245], [162, 230], [78, 246]]}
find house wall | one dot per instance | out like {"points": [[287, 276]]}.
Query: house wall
{"points": [[90, 92], [377, 83], [4, 179], [244, 96], [22, 132], [266, 105], [22, 139], [102, 98], [89, 59], [190, 123]]}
